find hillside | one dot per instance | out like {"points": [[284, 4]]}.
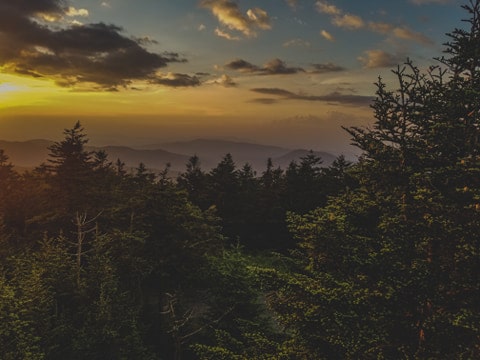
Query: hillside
{"points": [[295, 155], [31, 153], [211, 152], [26, 154]]}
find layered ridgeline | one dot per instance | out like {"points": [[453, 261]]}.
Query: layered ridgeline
{"points": [[28, 154]]}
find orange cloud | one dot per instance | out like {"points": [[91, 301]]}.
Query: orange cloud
{"points": [[326, 35], [349, 21], [228, 13], [326, 8], [378, 58], [407, 34]]}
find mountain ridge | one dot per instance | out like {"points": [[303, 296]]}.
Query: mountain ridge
{"points": [[31, 153]]}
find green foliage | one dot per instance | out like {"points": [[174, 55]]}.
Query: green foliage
{"points": [[377, 259], [304, 184], [70, 167], [24, 311], [239, 325], [387, 269], [194, 181]]}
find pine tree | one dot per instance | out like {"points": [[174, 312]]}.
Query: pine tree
{"points": [[9, 194], [389, 269], [304, 185], [223, 193], [71, 169], [194, 181]]}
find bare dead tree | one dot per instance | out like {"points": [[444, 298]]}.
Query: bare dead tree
{"points": [[84, 227]]}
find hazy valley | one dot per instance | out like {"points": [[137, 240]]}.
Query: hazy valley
{"points": [[31, 153]]}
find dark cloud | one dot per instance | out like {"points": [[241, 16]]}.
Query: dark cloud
{"points": [[225, 81], [347, 99], [264, 101], [145, 40], [273, 67], [326, 68], [33, 42], [274, 91], [241, 65], [31, 7], [334, 97], [277, 66], [177, 80]]}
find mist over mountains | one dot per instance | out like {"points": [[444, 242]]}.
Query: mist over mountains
{"points": [[31, 153]]}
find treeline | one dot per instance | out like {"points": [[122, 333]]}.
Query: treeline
{"points": [[374, 260], [99, 262]]}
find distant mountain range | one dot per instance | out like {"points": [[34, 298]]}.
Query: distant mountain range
{"points": [[28, 154]]}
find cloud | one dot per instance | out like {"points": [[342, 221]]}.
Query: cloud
{"points": [[347, 99], [378, 59], [75, 22], [273, 67], [260, 18], [407, 34], [274, 91], [277, 66], [296, 42], [333, 97], [292, 3], [225, 35], [242, 65], [348, 21], [326, 68], [264, 101], [355, 22], [326, 8], [223, 80], [97, 54], [145, 40], [51, 7], [403, 32], [228, 14], [177, 80], [380, 27], [326, 35], [71, 11]]}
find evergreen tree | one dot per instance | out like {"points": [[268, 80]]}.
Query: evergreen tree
{"points": [[339, 177], [273, 232], [7, 177], [389, 268], [194, 181], [304, 185], [70, 170], [10, 196], [224, 193]]}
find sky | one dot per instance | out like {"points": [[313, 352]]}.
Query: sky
{"points": [[279, 72]]}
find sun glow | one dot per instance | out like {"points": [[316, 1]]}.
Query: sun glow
{"points": [[8, 88], [18, 91]]}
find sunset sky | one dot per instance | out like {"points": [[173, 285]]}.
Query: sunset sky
{"points": [[282, 72]]}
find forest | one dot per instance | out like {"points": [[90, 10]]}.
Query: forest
{"points": [[377, 259]]}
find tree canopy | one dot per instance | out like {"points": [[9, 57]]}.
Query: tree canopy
{"points": [[373, 259]]}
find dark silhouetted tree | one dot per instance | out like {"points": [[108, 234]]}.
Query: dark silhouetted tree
{"points": [[388, 269]]}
